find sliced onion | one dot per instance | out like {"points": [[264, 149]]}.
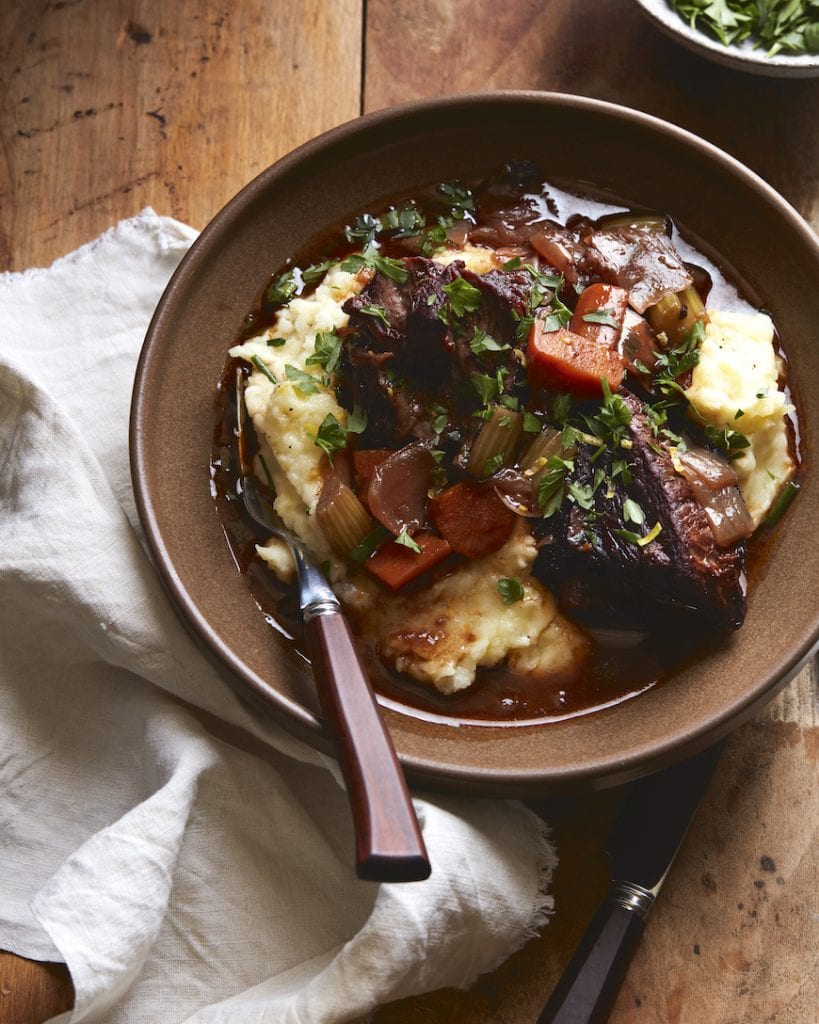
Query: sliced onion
{"points": [[535, 460], [713, 483], [706, 471], [397, 495], [517, 492], [458, 233], [638, 342], [556, 253], [728, 517]]}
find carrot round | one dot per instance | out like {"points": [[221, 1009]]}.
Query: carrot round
{"points": [[564, 361], [395, 564], [473, 519], [605, 307]]}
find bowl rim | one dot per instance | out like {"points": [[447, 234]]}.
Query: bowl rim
{"points": [[299, 720]]}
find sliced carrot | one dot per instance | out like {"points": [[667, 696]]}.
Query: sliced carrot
{"points": [[564, 361], [395, 564], [472, 519], [600, 301]]}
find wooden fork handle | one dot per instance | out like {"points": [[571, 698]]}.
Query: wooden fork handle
{"points": [[389, 846]]}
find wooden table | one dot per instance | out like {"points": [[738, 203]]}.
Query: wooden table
{"points": [[112, 105]]}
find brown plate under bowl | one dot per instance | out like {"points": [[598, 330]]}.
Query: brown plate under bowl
{"points": [[597, 146]]}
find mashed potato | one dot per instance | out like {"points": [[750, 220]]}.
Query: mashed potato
{"points": [[286, 419], [736, 385], [443, 634]]}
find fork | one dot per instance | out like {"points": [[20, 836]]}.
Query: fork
{"points": [[389, 845]]}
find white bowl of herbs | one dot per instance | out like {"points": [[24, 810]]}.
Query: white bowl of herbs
{"points": [[766, 37]]}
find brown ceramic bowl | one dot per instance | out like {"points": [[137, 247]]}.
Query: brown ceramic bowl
{"points": [[357, 167]]}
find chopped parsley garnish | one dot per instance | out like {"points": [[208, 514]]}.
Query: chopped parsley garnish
{"points": [[636, 538], [373, 260], [582, 494], [327, 353], [674, 362], [276, 342], [601, 316], [791, 26], [374, 539], [493, 464], [632, 513], [483, 342], [609, 424], [363, 230], [552, 486], [557, 316], [463, 297], [331, 436], [378, 312], [510, 589], [531, 424], [316, 271], [304, 383], [257, 362], [487, 387], [281, 290], [727, 440], [403, 223], [406, 541], [457, 197]]}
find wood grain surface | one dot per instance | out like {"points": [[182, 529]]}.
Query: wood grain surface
{"points": [[108, 106]]}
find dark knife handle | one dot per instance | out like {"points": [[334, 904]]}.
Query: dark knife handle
{"points": [[389, 845], [586, 992]]}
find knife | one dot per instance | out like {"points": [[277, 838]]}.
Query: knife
{"points": [[641, 845]]}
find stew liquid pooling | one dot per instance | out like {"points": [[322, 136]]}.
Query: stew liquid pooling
{"points": [[528, 434]]}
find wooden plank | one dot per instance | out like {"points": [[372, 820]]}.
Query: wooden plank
{"points": [[108, 107]]}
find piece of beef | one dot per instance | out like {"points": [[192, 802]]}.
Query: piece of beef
{"points": [[643, 261], [420, 362], [595, 569]]}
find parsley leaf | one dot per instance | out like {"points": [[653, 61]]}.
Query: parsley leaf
{"points": [[632, 513], [483, 342], [372, 259], [378, 312], [457, 196], [601, 316], [281, 290], [331, 436], [510, 589], [406, 541], [304, 383], [463, 297], [257, 362], [551, 488], [327, 353]]}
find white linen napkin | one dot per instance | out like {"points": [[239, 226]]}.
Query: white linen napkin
{"points": [[188, 862]]}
